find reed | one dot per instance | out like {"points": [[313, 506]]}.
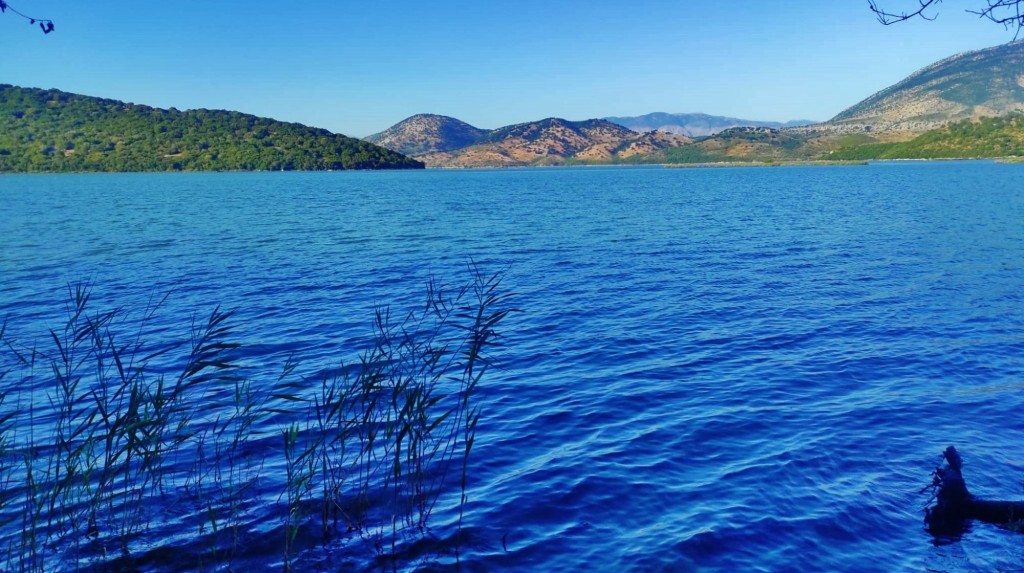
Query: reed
{"points": [[94, 431]]}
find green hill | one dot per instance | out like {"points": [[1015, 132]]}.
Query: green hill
{"points": [[990, 137], [55, 131], [745, 144], [985, 137]]}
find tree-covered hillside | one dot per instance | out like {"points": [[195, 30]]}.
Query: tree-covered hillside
{"points": [[744, 144], [53, 131], [986, 137]]}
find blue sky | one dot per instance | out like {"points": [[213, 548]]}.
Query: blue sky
{"points": [[357, 67]]}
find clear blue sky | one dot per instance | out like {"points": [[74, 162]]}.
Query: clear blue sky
{"points": [[357, 67]]}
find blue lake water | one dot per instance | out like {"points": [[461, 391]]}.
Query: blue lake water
{"points": [[750, 369]]}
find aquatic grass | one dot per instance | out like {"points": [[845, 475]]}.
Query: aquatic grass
{"points": [[243, 467], [6, 417], [300, 470], [486, 310], [100, 432]]}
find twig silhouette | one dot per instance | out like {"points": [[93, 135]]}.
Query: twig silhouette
{"points": [[45, 24]]}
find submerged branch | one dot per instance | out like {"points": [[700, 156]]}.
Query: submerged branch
{"points": [[955, 505]]}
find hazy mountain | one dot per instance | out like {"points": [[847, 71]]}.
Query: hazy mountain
{"points": [[694, 124], [981, 83], [51, 130], [427, 133]]}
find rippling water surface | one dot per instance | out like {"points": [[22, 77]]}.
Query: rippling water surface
{"points": [[714, 370]]}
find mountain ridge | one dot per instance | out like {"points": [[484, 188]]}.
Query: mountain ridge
{"points": [[52, 130], [549, 141], [695, 124]]}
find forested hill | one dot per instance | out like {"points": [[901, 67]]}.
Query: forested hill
{"points": [[53, 131]]}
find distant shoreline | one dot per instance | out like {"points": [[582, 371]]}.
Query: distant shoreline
{"points": [[765, 164], [703, 165]]}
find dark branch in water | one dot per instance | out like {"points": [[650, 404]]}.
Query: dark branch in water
{"points": [[46, 25], [955, 505]]}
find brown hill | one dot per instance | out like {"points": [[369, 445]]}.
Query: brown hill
{"points": [[651, 142], [551, 141]]}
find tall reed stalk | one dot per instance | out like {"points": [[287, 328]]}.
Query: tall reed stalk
{"points": [[93, 430]]}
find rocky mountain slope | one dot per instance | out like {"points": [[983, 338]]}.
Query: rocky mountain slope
{"points": [[981, 83], [694, 124], [447, 142], [968, 86], [427, 133]]}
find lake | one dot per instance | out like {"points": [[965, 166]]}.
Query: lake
{"points": [[730, 369]]}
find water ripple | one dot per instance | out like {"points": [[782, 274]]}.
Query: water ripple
{"points": [[715, 370]]}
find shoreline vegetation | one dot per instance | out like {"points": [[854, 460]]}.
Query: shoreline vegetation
{"points": [[121, 452], [794, 163], [704, 165]]}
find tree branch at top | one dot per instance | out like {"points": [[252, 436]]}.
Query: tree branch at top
{"points": [[45, 24], [1006, 12]]}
